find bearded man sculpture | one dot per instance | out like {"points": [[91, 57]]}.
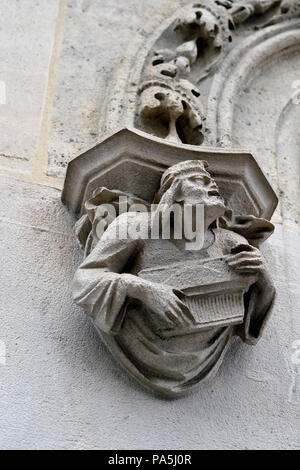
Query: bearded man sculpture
{"points": [[166, 311]]}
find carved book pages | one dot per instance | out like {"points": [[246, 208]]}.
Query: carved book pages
{"points": [[213, 293]]}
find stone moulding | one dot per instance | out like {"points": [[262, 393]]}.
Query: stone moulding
{"points": [[106, 164], [235, 71], [159, 60], [168, 313]]}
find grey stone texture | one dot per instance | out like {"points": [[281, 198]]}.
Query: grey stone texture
{"points": [[90, 62], [59, 386], [26, 35]]}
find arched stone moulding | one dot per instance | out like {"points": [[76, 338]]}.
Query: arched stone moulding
{"points": [[245, 60], [288, 163], [208, 104]]}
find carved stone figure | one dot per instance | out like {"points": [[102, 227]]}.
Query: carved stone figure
{"points": [[168, 312]]}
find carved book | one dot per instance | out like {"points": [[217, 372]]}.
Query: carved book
{"points": [[213, 293]]}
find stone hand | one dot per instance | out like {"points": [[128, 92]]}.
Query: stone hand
{"points": [[164, 301], [248, 260]]}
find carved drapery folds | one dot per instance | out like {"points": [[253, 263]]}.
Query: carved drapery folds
{"points": [[166, 310]]}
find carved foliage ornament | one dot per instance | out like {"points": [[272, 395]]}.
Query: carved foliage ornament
{"points": [[188, 52], [167, 309]]}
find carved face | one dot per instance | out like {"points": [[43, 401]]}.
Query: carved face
{"points": [[193, 190], [196, 189]]}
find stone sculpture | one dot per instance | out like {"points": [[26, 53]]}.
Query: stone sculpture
{"points": [[166, 312]]}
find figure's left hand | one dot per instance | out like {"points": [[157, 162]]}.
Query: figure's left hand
{"points": [[246, 259]]}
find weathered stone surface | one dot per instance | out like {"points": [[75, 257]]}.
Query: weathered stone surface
{"points": [[261, 122], [59, 379], [88, 63], [177, 83], [167, 305], [58, 387], [242, 95], [265, 120], [26, 35], [143, 158]]}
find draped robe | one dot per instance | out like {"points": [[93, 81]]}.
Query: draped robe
{"points": [[171, 365]]}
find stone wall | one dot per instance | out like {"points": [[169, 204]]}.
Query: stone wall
{"points": [[59, 386]]}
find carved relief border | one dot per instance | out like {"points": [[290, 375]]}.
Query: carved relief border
{"points": [[171, 84]]}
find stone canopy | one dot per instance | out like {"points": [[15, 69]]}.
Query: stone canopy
{"points": [[133, 161]]}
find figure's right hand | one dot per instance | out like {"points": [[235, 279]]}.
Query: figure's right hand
{"points": [[167, 303]]}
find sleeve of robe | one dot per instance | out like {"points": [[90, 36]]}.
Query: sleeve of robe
{"points": [[99, 285], [258, 307], [259, 299]]}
